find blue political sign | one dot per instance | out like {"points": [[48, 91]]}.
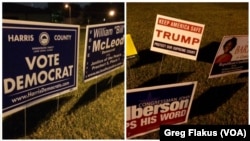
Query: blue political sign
{"points": [[104, 49], [40, 61], [149, 107]]}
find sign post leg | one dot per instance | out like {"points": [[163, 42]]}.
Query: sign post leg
{"points": [[112, 77], [179, 68], [162, 59], [128, 69], [57, 105], [25, 124], [96, 87]]}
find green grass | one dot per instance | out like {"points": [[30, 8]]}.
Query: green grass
{"points": [[219, 101], [94, 111]]}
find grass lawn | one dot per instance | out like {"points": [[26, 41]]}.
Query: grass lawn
{"points": [[94, 111], [219, 101]]}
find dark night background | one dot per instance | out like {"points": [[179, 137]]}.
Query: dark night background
{"points": [[80, 13]]}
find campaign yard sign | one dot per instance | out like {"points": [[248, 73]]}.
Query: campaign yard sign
{"points": [[40, 61], [231, 57], [104, 49], [177, 37], [149, 107], [130, 47]]}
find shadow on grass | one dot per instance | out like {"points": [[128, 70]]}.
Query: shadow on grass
{"points": [[147, 57], [14, 125], [166, 79], [213, 98], [208, 52], [243, 75], [96, 90]]}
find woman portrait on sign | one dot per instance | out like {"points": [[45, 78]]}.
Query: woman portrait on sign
{"points": [[227, 56]]}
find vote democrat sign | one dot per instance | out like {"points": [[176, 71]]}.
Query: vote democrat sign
{"points": [[150, 107], [177, 37], [40, 61], [104, 49]]}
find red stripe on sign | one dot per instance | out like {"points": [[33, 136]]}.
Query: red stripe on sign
{"points": [[180, 25]]}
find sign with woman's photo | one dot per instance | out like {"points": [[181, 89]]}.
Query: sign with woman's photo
{"points": [[231, 57], [149, 107]]}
